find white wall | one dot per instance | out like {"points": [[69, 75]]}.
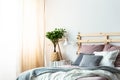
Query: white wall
{"points": [[81, 16]]}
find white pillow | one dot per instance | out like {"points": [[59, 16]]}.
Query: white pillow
{"points": [[109, 57]]}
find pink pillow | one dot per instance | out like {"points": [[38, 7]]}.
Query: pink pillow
{"points": [[88, 49], [107, 47], [110, 47]]}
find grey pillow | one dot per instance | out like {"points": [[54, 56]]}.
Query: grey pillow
{"points": [[79, 58], [90, 60]]}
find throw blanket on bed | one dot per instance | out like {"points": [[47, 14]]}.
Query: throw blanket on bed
{"points": [[57, 73]]}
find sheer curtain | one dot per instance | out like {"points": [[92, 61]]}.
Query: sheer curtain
{"points": [[21, 36], [9, 38], [32, 35]]}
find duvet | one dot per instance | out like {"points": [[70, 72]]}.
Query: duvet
{"points": [[70, 73]]}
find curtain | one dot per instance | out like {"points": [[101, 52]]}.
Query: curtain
{"points": [[9, 38], [31, 32], [32, 35], [21, 36]]}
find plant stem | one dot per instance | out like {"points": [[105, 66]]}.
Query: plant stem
{"points": [[54, 47]]}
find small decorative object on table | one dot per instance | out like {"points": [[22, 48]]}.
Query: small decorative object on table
{"points": [[60, 63], [54, 36]]}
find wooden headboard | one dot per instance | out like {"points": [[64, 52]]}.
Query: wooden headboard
{"points": [[105, 38]]}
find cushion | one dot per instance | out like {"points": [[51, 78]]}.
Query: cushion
{"points": [[110, 47], [107, 47], [90, 60], [79, 58], [109, 57], [91, 48]]}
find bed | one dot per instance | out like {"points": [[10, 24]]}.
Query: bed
{"points": [[97, 61]]}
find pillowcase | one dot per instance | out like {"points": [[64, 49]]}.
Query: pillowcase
{"points": [[79, 58], [110, 47], [91, 48], [109, 57], [90, 60], [107, 47]]}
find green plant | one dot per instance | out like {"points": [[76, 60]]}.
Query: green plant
{"points": [[55, 35]]}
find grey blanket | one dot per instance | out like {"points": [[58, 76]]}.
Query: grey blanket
{"points": [[36, 72]]}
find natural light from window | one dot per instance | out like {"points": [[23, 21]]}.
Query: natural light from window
{"points": [[9, 38]]}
